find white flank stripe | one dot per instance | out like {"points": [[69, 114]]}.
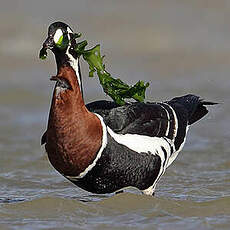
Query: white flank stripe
{"points": [[103, 145], [140, 143], [164, 162]]}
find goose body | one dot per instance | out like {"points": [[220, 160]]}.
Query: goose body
{"points": [[103, 147]]}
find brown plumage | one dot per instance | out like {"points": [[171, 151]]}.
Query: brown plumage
{"points": [[105, 147], [73, 134]]}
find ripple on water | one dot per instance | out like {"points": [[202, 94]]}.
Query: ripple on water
{"points": [[120, 211]]}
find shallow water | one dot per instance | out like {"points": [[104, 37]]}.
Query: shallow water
{"points": [[179, 47]]}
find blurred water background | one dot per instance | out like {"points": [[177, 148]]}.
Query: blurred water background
{"points": [[178, 46]]}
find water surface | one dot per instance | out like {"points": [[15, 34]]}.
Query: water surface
{"points": [[180, 47]]}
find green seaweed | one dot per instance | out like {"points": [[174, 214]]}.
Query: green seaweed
{"points": [[43, 53], [115, 88]]}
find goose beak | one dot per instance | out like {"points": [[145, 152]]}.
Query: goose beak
{"points": [[48, 44]]}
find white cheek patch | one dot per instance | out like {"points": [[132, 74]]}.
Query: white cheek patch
{"points": [[57, 35]]}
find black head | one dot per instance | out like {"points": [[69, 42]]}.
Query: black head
{"points": [[59, 36], [61, 41]]}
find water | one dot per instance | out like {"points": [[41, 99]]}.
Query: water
{"points": [[179, 47]]}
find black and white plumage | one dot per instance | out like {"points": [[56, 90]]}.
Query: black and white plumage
{"points": [[129, 145], [143, 139]]}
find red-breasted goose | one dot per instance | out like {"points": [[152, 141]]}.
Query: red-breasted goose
{"points": [[103, 147]]}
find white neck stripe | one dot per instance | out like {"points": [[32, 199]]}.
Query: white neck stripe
{"points": [[74, 63]]}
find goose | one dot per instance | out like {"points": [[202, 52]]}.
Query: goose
{"points": [[103, 147]]}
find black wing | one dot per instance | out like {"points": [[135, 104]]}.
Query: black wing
{"points": [[151, 119], [169, 119]]}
